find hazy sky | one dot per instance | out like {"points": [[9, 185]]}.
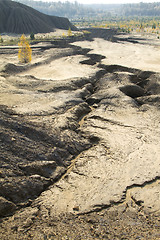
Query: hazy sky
{"points": [[103, 1]]}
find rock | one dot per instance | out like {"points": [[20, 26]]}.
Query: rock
{"points": [[47, 169], [22, 189], [153, 100], [132, 91], [6, 207]]}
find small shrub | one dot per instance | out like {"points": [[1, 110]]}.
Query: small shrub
{"points": [[69, 32], [32, 37], [1, 39], [63, 35], [154, 26]]}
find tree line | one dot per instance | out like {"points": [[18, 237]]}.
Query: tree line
{"points": [[60, 9], [141, 9], [81, 11]]}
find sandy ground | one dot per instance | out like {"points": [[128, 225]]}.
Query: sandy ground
{"points": [[61, 69], [144, 55], [80, 156], [141, 56]]}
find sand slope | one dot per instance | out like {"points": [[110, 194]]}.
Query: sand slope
{"points": [[19, 18]]}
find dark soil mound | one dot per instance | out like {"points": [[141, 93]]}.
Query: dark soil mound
{"points": [[19, 18]]}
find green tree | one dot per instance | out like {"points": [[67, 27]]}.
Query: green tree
{"points": [[32, 37], [154, 26], [1, 39]]}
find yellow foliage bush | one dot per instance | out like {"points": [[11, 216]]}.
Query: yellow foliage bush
{"points": [[69, 32], [25, 51]]}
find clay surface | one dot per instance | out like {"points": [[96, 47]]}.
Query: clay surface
{"points": [[80, 145]]}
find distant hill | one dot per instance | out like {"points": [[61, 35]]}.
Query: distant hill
{"points": [[71, 10], [16, 17], [74, 10]]}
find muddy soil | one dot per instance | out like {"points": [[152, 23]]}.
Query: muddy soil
{"points": [[80, 141]]}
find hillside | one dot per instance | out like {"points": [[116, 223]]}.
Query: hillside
{"points": [[19, 18]]}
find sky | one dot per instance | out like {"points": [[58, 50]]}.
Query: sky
{"points": [[103, 1]]}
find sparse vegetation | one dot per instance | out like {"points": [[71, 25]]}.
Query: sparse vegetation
{"points": [[69, 32], [148, 25], [25, 51], [32, 37], [1, 39]]}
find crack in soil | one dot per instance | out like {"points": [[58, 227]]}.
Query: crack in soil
{"points": [[127, 196], [33, 134]]}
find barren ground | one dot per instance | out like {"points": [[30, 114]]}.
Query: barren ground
{"points": [[80, 140]]}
